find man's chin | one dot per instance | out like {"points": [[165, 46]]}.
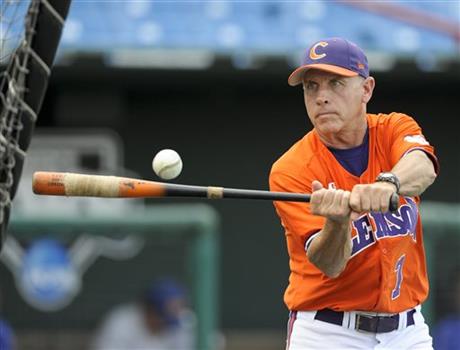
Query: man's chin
{"points": [[326, 127]]}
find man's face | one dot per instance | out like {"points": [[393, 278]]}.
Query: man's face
{"points": [[335, 103]]}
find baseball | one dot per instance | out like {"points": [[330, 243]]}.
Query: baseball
{"points": [[167, 164]]}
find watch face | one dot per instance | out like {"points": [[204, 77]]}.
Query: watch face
{"points": [[389, 177]]}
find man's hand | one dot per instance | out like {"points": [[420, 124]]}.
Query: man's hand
{"points": [[330, 250], [330, 203], [371, 197]]}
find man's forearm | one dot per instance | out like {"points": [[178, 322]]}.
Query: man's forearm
{"points": [[415, 172], [331, 249]]}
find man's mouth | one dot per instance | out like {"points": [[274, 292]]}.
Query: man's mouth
{"points": [[321, 114]]}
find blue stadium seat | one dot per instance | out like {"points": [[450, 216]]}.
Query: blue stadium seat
{"points": [[270, 27]]}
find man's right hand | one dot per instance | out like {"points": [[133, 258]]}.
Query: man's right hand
{"points": [[331, 203], [330, 250]]}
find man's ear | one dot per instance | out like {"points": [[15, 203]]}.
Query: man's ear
{"points": [[368, 86]]}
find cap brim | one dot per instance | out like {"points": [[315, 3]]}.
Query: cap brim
{"points": [[296, 76]]}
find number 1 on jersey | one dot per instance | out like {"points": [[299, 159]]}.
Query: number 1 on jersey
{"points": [[399, 277]]}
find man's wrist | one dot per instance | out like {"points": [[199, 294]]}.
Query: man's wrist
{"points": [[334, 226]]}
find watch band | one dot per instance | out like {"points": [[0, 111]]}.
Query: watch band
{"points": [[389, 177]]}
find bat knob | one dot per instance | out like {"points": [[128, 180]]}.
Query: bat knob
{"points": [[394, 202]]}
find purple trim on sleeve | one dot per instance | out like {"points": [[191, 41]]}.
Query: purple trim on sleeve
{"points": [[309, 240], [432, 157]]}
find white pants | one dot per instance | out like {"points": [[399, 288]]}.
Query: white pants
{"points": [[306, 333]]}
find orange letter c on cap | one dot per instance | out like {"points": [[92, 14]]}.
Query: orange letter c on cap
{"points": [[313, 54]]}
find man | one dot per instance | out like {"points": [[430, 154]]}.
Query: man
{"points": [[358, 273], [159, 321]]}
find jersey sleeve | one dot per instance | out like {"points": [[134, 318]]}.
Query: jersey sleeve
{"points": [[296, 217], [406, 137]]}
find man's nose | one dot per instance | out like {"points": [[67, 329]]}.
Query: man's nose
{"points": [[322, 97]]}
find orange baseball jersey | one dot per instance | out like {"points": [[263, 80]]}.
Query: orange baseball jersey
{"points": [[387, 270]]}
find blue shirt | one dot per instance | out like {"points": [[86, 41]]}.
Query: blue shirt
{"points": [[355, 159]]}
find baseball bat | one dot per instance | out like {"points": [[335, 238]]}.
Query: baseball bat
{"points": [[72, 184]]}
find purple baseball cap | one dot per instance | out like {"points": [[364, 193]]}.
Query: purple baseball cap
{"points": [[335, 55]]}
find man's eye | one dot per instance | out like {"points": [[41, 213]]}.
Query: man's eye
{"points": [[310, 85], [335, 82]]}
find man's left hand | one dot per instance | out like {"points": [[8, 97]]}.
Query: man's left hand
{"points": [[371, 197]]}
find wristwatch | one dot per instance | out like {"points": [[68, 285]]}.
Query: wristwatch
{"points": [[389, 177]]}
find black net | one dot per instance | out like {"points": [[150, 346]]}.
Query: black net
{"points": [[14, 38], [29, 32], [12, 18]]}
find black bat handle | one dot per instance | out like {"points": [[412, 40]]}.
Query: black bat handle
{"points": [[394, 202]]}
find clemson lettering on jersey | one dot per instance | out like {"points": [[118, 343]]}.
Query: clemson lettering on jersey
{"points": [[375, 226]]}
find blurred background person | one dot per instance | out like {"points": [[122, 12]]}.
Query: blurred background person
{"points": [[446, 335], [6, 335], [159, 320], [7, 341]]}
